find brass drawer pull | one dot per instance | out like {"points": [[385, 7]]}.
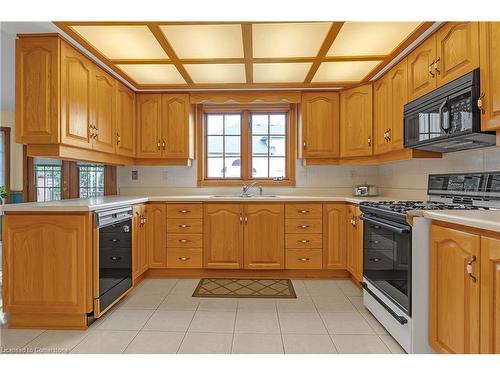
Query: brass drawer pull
{"points": [[184, 211], [183, 259], [184, 226], [304, 259], [303, 241], [184, 241], [303, 211], [303, 226], [470, 269]]}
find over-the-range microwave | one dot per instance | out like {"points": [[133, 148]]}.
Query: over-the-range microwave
{"points": [[448, 118]]}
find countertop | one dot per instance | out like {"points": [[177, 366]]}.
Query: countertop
{"points": [[482, 219]]}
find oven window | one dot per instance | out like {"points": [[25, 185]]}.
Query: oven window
{"points": [[387, 262]]}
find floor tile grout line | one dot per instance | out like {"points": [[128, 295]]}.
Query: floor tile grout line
{"points": [[187, 328], [234, 326], [326, 327], [279, 324]]}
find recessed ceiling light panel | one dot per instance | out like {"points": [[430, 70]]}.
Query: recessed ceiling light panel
{"points": [[280, 72], [344, 71], [216, 73], [153, 74]]}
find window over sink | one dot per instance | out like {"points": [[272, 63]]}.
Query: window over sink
{"points": [[245, 144]]}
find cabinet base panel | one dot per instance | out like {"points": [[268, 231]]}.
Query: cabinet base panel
{"points": [[294, 274], [49, 321]]}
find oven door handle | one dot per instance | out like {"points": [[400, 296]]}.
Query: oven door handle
{"points": [[441, 122], [401, 319], [395, 228]]}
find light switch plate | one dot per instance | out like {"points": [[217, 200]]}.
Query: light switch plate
{"points": [[135, 175]]}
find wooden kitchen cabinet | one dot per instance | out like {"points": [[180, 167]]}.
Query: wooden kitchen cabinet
{"points": [[223, 236], [489, 36], [356, 121], [354, 242], [264, 236], [490, 295], [125, 120], [140, 259], [156, 230], [103, 134], [446, 55], [148, 125], [454, 296], [334, 236], [320, 125]]}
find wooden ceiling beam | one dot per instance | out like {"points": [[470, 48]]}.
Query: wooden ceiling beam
{"points": [[327, 43], [246, 31], [164, 43]]}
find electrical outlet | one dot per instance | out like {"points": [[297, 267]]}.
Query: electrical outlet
{"points": [[135, 175]]}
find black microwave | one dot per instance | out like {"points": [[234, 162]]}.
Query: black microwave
{"points": [[447, 119]]}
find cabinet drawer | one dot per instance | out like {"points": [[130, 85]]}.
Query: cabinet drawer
{"points": [[303, 241], [184, 210], [185, 225], [184, 258], [303, 226], [184, 240], [307, 210], [302, 259]]}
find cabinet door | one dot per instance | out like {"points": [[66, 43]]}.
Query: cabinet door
{"points": [[320, 125], [490, 295], [334, 236], [103, 113], [457, 50], [421, 78], [223, 236], [175, 126], [356, 119], [490, 75], [76, 97], [125, 120], [148, 125], [37, 90], [354, 243], [139, 245], [156, 228], [382, 115], [454, 295], [264, 236], [398, 78]]}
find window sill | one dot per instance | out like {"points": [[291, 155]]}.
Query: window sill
{"points": [[215, 182]]}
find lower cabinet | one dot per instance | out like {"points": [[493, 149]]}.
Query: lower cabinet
{"points": [[334, 236], [156, 235], [354, 243], [139, 242], [464, 299]]}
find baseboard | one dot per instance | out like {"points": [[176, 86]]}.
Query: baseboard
{"points": [[248, 274]]}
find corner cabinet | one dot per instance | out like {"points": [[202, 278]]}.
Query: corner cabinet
{"points": [[449, 53], [320, 125], [356, 121], [489, 36], [165, 127]]}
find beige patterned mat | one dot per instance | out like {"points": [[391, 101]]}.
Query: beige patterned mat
{"points": [[245, 288]]}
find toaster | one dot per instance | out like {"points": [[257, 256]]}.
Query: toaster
{"points": [[364, 191]]}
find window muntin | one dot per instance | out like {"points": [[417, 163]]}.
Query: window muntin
{"points": [[91, 180], [47, 182]]}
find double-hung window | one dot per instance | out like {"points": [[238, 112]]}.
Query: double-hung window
{"points": [[241, 145]]}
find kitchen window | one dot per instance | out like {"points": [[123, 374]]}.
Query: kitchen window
{"points": [[91, 180], [246, 144], [48, 182]]}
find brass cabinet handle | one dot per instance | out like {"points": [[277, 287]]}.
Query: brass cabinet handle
{"points": [[389, 134], [118, 139], [353, 221], [246, 219], [431, 69], [304, 145], [184, 226], [369, 140], [183, 259], [184, 240], [436, 69], [184, 211], [303, 241], [158, 145], [241, 218], [303, 226], [163, 144], [480, 103], [304, 259], [470, 269], [303, 211]]}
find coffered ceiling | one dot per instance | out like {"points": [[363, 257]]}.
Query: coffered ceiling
{"points": [[163, 55]]}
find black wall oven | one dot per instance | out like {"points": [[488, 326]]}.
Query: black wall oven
{"points": [[387, 259], [114, 256]]}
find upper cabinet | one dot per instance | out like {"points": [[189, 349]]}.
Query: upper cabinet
{"points": [[390, 93], [448, 54], [490, 75], [320, 125], [125, 120], [356, 115], [103, 111], [165, 126]]}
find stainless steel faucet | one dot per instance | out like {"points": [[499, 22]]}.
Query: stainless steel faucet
{"points": [[246, 188]]}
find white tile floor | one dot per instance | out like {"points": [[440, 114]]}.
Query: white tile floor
{"points": [[160, 316]]}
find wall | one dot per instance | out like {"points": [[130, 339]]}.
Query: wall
{"points": [[409, 178]]}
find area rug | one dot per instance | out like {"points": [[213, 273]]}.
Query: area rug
{"points": [[245, 288]]}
